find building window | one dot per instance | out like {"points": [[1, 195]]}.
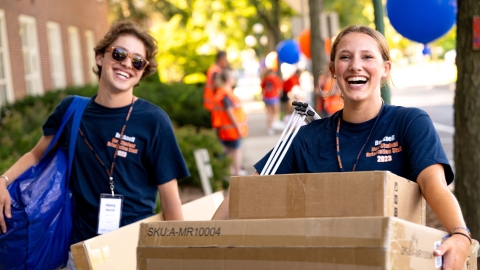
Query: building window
{"points": [[6, 89], [57, 66], [90, 39], [31, 56], [75, 56]]}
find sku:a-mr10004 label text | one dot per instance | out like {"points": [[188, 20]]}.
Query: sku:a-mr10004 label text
{"points": [[187, 231]]}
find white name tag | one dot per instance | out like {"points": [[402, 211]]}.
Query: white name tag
{"points": [[109, 213], [438, 259]]}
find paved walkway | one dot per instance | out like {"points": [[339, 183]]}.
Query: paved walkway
{"points": [[258, 142]]}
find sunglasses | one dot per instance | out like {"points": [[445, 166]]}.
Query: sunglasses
{"points": [[120, 54]]}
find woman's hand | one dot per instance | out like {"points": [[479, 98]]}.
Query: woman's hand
{"points": [[5, 201], [454, 251]]}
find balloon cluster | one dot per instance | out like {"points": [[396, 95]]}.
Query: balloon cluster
{"points": [[289, 50]]}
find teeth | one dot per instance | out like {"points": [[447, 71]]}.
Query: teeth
{"points": [[124, 74], [357, 79]]}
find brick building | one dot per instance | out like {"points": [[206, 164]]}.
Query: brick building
{"points": [[48, 44]]}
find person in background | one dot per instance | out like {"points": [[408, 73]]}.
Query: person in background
{"points": [[329, 96], [229, 119], [208, 92], [271, 87], [150, 165], [287, 93], [368, 134]]}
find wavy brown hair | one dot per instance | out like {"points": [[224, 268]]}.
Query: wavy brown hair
{"points": [[129, 28]]}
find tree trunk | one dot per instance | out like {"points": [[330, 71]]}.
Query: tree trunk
{"points": [[317, 47], [467, 117], [271, 21]]}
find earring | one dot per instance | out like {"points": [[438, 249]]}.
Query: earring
{"points": [[334, 76]]}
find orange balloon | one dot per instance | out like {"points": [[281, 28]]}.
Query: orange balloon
{"points": [[304, 41]]}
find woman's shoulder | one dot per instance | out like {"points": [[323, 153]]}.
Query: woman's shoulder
{"points": [[400, 111], [322, 125]]}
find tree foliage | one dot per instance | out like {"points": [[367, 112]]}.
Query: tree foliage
{"points": [[351, 11], [190, 32]]}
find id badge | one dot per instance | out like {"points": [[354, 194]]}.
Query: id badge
{"points": [[109, 213]]}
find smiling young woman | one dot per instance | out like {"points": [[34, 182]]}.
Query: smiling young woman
{"points": [[352, 138]]}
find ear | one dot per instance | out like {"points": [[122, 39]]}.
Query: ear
{"points": [[332, 69], [388, 66], [99, 59]]}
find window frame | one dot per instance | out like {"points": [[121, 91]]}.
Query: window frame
{"points": [[55, 50], [5, 52], [33, 79], [76, 62]]}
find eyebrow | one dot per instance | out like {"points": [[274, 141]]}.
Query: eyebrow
{"points": [[363, 51]]}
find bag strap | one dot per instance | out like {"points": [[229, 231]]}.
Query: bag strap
{"points": [[76, 108], [80, 106]]}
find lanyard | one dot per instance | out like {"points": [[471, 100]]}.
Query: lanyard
{"points": [[337, 135], [110, 173]]}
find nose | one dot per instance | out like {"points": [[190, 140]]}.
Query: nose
{"points": [[355, 65], [127, 62]]}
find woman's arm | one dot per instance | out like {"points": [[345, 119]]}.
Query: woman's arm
{"points": [[171, 204], [26, 161], [444, 204]]}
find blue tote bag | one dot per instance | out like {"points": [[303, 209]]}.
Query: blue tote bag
{"points": [[38, 234]]}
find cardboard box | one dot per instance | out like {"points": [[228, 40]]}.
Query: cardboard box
{"points": [[365, 243], [349, 194], [117, 249]]}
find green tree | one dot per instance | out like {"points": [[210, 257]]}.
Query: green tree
{"points": [[190, 32], [351, 11]]}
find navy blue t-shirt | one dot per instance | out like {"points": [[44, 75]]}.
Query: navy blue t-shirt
{"points": [[403, 141], [148, 156]]}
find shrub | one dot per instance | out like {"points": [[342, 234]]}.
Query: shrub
{"points": [[191, 138], [182, 102]]}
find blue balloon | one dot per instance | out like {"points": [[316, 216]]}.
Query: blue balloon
{"points": [[422, 20], [426, 50], [288, 51]]}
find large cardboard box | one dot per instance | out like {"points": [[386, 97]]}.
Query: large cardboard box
{"points": [[117, 249], [361, 243], [350, 194]]}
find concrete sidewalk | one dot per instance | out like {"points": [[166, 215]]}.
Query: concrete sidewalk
{"points": [[258, 143]]}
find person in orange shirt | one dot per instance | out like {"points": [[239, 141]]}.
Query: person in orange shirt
{"points": [[271, 87], [229, 119], [329, 96], [287, 94], [213, 70]]}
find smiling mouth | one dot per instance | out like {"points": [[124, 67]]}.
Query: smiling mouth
{"points": [[357, 80], [123, 74]]}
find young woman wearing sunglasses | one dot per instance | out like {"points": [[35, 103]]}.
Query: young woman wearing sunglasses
{"points": [[368, 135], [125, 145]]}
